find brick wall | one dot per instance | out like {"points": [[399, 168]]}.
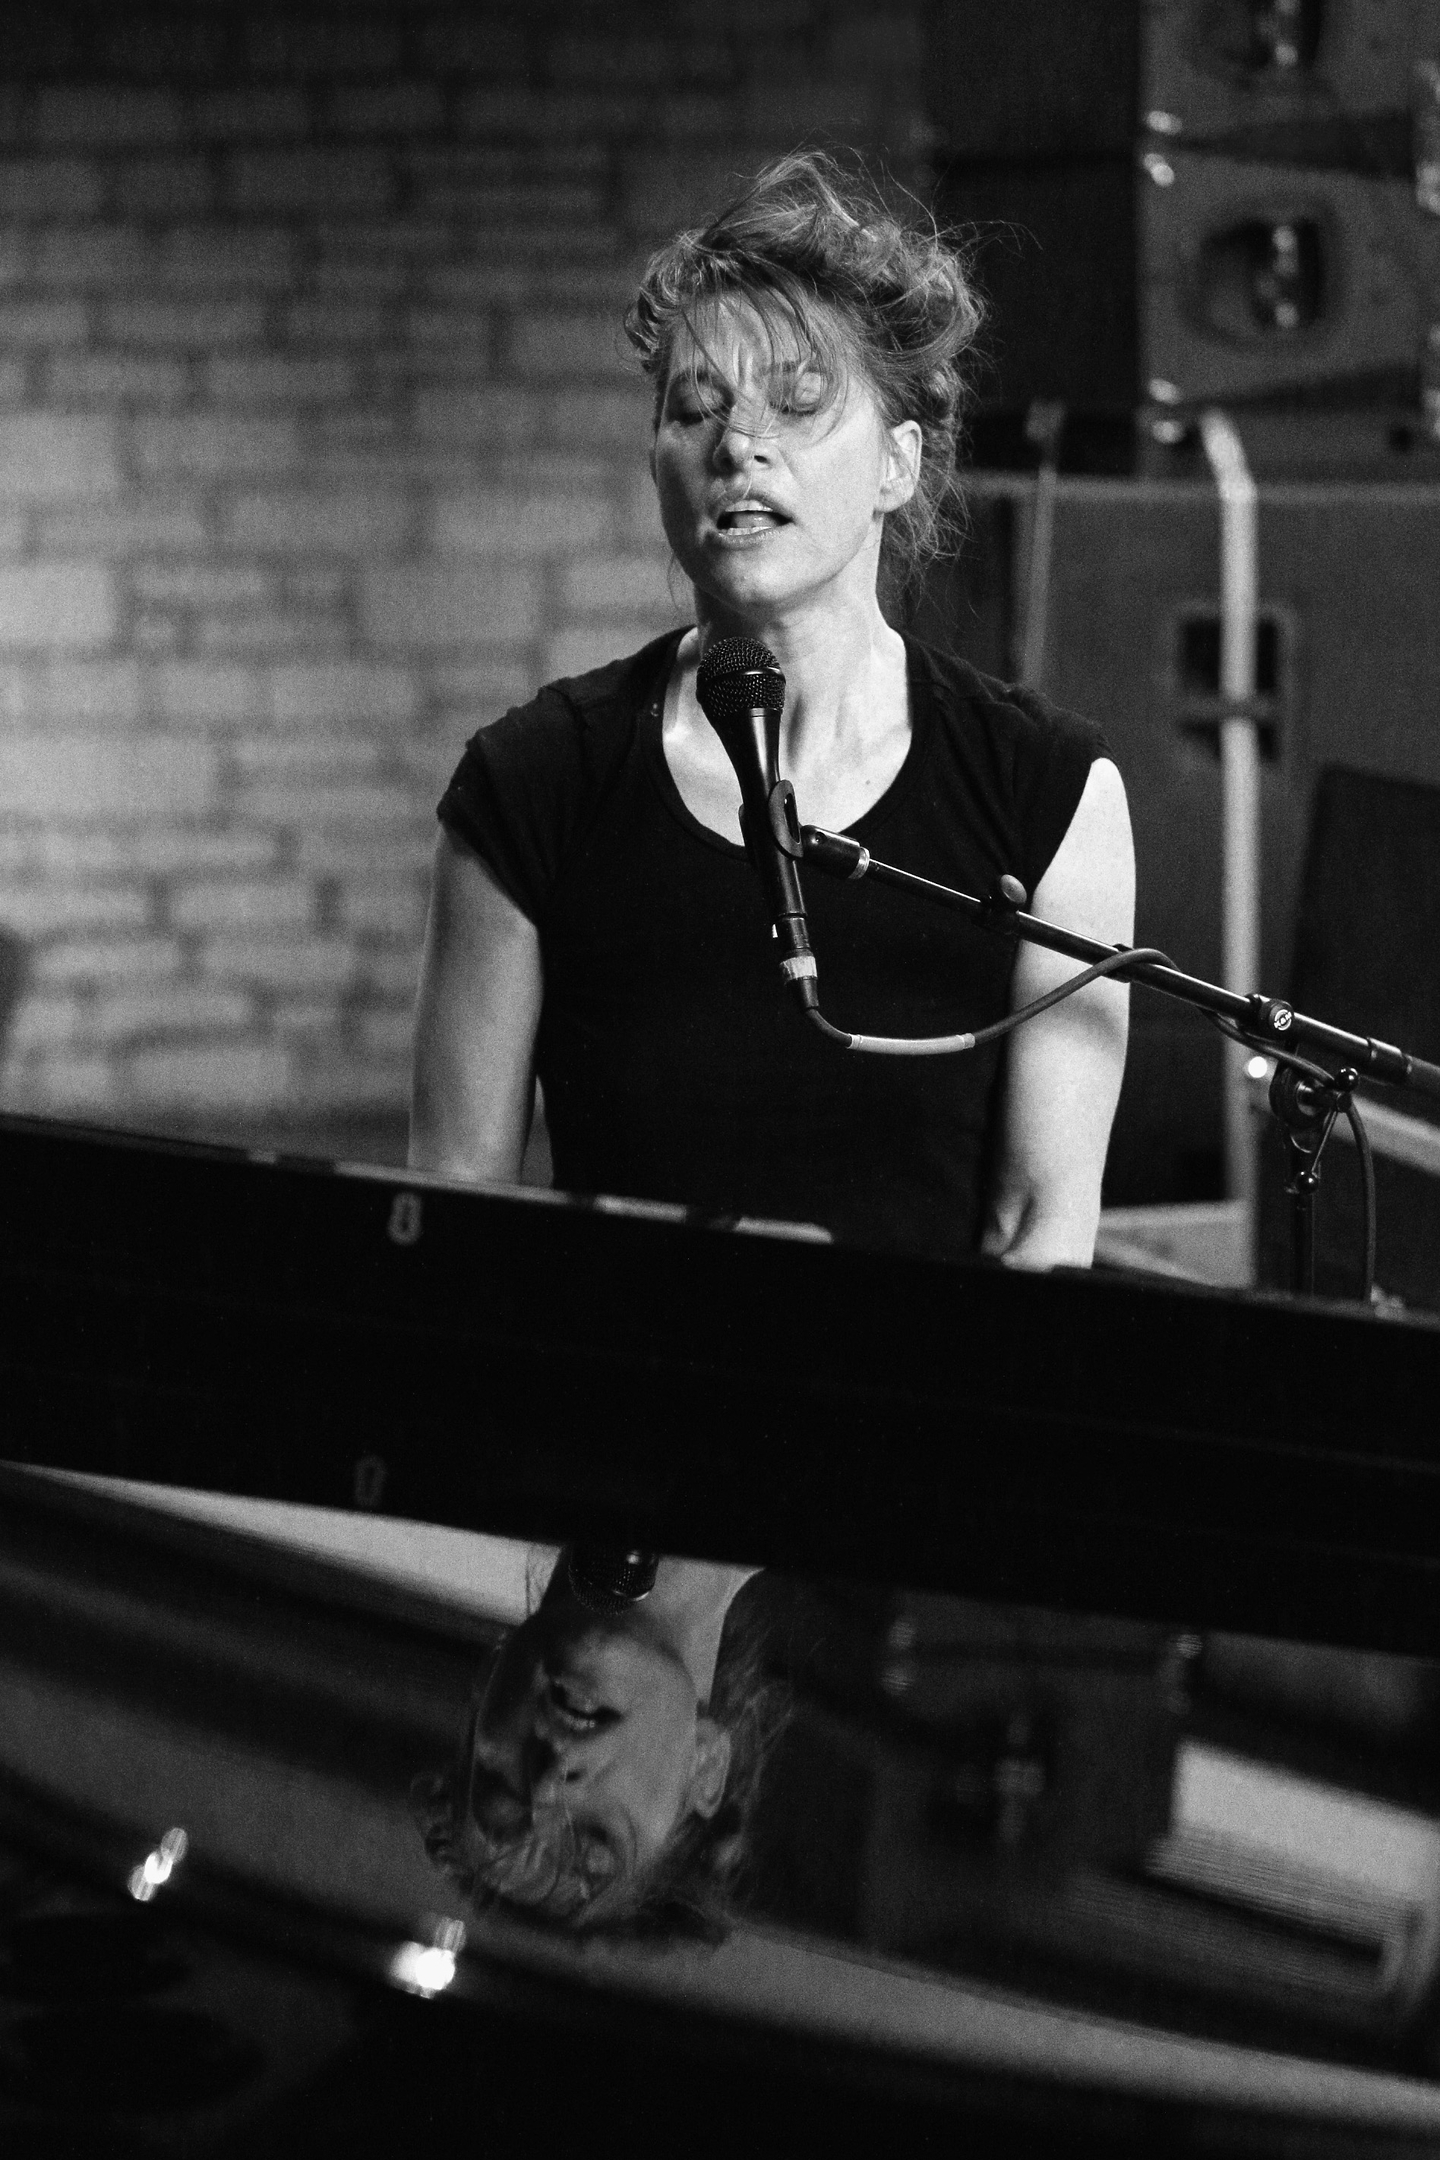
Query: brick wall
{"points": [[319, 445]]}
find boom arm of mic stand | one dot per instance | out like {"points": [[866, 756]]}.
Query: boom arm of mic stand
{"points": [[1264, 1020]]}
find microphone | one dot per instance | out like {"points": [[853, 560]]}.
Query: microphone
{"points": [[606, 1580], [742, 694]]}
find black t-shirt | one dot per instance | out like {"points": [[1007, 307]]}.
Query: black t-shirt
{"points": [[675, 1065]]}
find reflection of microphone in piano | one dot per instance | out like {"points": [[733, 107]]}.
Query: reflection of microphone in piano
{"points": [[611, 1762], [606, 1579]]}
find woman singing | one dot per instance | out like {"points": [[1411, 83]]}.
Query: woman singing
{"points": [[608, 1775], [595, 921]]}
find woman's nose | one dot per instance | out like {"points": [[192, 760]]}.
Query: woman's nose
{"points": [[740, 443], [551, 1768]]}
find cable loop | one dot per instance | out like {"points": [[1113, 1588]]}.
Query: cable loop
{"points": [[954, 1045]]}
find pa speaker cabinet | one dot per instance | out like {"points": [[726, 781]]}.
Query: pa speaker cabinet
{"points": [[1266, 280], [1217, 68], [1195, 200], [1349, 674], [1050, 80]]}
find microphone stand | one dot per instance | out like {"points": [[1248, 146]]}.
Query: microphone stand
{"points": [[1305, 1098]]}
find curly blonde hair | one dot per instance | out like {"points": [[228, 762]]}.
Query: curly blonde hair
{"points": [[832, 272]]}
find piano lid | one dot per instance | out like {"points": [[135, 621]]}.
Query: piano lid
{"points": [[529, 1365]]}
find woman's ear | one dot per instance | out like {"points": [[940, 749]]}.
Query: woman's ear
{"points": [[902, 465], [712, 1767]]}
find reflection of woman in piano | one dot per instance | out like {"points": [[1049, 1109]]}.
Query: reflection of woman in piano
{"points": [[594, 919], [611, 1762]]}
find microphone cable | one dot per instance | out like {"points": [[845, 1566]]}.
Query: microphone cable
{"points": [[952, 1045]]}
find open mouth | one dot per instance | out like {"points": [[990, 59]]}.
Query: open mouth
{"points": [[576, 1708], [750, 517]]}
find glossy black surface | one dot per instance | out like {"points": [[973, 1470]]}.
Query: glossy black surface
{"points": [[973, 1796], [540, 1367], [161, 1670]]}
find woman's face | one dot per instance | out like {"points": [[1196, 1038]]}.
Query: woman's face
{"points": [[589, 1741], [770, 495]]}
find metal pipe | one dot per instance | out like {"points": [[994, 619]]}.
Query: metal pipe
{"points": [[1239, 777], [1043, 427]]}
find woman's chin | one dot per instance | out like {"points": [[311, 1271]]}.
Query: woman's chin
{"points": [[747, 595], [751, 590]]}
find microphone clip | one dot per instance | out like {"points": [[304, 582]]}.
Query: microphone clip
{"points": [[783, 821], [1002, 904]]}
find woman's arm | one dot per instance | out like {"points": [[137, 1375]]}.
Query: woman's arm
{"points": [[1063, 1071], [475, 1022]]}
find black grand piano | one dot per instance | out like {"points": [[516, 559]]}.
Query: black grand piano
{"points": [[353, 1337], [1043, 1529]]}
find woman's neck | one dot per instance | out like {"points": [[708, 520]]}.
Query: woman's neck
{"points": [[684, 1612], [837, 664], [687, 1608]]}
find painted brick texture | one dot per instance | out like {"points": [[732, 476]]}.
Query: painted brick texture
{"points": [[320, 445]]}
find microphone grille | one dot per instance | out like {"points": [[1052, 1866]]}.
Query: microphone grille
{"points": [[736, 675], [607, 1581]]}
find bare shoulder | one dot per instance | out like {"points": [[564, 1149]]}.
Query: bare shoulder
{"points": [[1090, 883], [1063, 1069]]}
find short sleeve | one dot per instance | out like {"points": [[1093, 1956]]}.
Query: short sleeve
{"points": [[1054, 751], [528, 786], [517, 795]]}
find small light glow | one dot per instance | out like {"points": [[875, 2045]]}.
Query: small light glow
{"points": [[1164, 123], [158, 1866], [1258, 1068], [423, 1968], [1161, 171]]}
